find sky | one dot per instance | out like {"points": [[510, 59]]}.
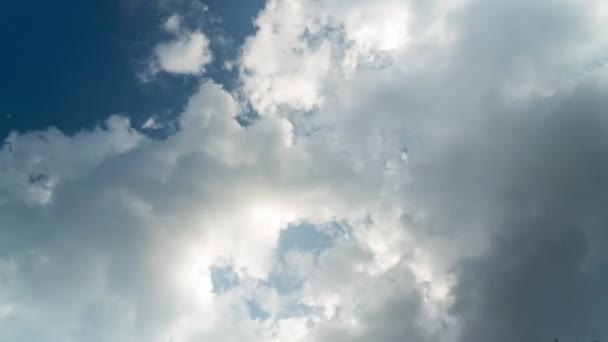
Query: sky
{"points": [[304, 171]]}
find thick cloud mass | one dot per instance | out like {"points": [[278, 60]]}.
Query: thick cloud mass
{"points": [[419, 171], [543, 274]]}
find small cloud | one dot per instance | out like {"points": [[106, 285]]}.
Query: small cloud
{"points": [[152, 124], [173, 24], [188, 53], [230, 65]]}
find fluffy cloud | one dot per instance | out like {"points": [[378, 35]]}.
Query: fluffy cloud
{"points": [[187, 53], [144, 270], [300, 46], [446, 183]]}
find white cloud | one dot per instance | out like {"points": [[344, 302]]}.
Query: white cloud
{"points": [[34, 163], [301, 47], [278, 67], [173, 24], [165, 225], [188, 53]]}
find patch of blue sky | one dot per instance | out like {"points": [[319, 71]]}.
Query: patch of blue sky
{"points": [[223, 278], [307, 240], [256, 311], [304, 237]]}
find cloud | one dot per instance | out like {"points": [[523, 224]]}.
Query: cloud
{"points": [[300, 46], [187, 53], [487, 114], [278, 67], [542, 275], [173, 24], [144, 272], [309, 224]]}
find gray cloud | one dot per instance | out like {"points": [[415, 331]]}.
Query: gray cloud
{"points": [[543, 275]]}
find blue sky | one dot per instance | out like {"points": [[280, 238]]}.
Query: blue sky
{"points": [[72, 65], [303, 171]]}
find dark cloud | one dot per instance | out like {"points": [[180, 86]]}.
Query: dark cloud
{"points": [[544, 273]]}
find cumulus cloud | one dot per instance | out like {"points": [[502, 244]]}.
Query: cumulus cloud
{"points": [[144, 271], [420, 171], [187, 53]]}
